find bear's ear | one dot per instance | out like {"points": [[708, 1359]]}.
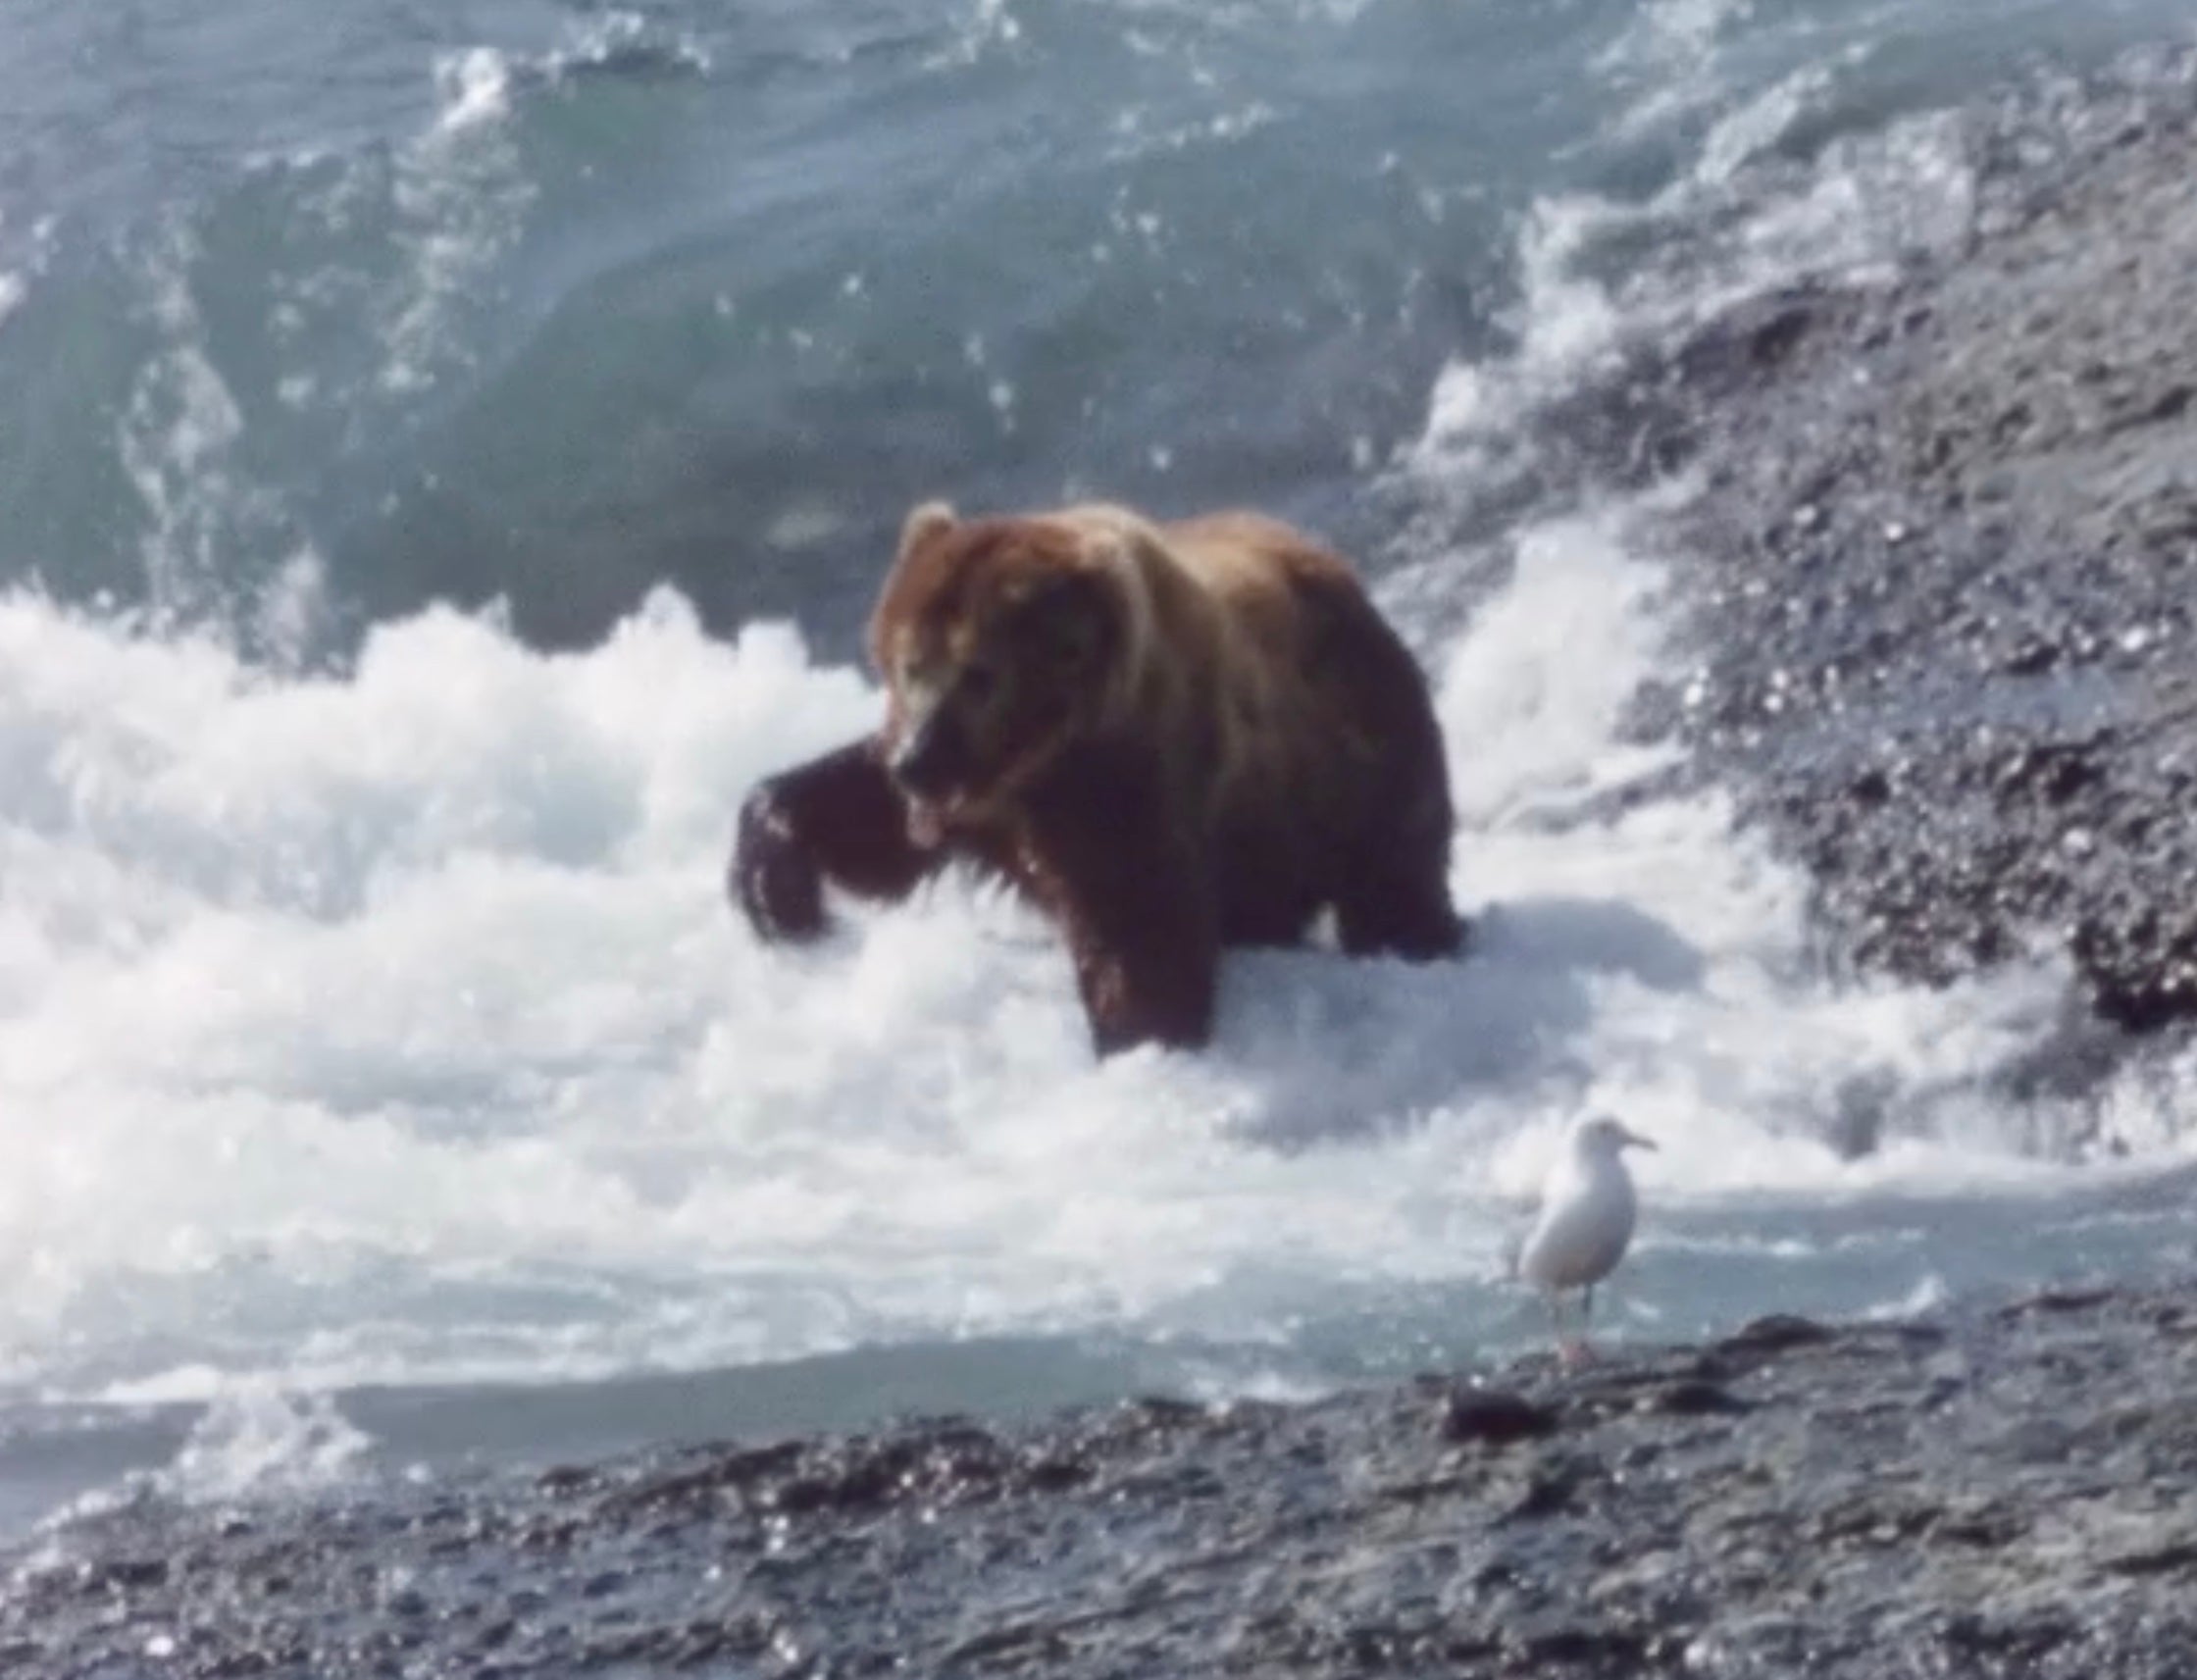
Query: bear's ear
{"points": [[1116, 544], [924, 522], [1103, 547]]}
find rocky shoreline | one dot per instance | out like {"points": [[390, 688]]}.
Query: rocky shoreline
{"points": [[2007, 1490], [1940, 579]]}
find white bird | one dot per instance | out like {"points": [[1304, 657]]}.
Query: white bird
{"points": [[1587, 1213]]}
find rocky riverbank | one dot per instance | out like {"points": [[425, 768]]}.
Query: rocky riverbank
{"points": [[2008, 1490], [1941, 574]]}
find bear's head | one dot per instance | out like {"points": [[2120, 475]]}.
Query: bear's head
{"points": [[1000, 641]]}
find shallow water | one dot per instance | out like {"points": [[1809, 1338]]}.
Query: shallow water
{"points": [[443, 463]]}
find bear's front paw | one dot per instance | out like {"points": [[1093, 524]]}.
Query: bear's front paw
{"points": [[772, 876]]}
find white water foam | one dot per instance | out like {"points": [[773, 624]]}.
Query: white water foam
{"points": [[255, 1441], [461, 197], [1670, 57], [621, 40], [23, 261], [392, 1026], [1728, 230]]}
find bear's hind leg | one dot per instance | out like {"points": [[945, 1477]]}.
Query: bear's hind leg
{"points": [[1393, 895], [1396, 917]]}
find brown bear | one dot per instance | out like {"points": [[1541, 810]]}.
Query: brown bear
{"points": [[1171, 737]]}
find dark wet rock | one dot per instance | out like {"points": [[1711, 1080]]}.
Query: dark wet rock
{"points": [[2057, 1301], [1694, 1397], [1496, 1417], [1777, 1333], [2176, 1558], [2007, 1491], [1941, 574], [1553, 1487]]}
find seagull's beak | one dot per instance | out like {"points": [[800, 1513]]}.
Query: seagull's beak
{"points": [[1633, 1139]]}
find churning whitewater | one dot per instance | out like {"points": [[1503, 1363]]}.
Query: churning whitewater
{"points": [[371, 1015], [391, 1028]]}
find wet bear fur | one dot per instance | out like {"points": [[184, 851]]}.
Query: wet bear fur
{"points": [[1171, 737]]}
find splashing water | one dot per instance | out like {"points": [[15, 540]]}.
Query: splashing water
{"points": [[389, 1027]]}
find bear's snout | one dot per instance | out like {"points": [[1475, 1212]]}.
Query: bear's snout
{"points": [[931, 756]]}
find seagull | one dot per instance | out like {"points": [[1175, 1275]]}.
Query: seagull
{"points": [[1587, 1210]]}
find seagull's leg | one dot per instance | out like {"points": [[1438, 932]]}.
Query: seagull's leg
{"points": [[1569, 1348], [1580, 1352]]}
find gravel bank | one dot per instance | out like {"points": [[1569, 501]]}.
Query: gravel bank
{"points": [[2008, 1490]]}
